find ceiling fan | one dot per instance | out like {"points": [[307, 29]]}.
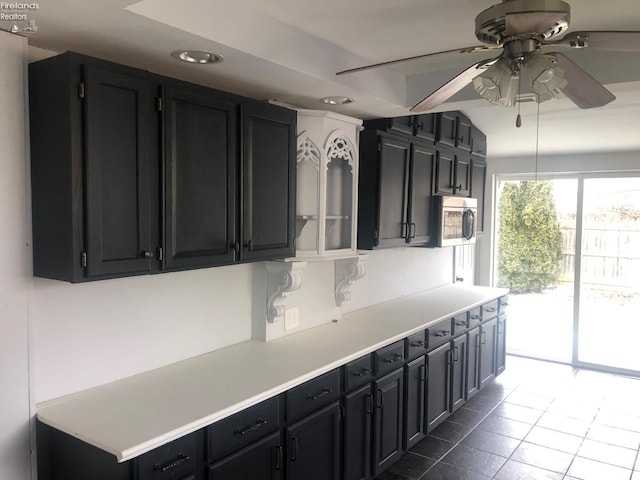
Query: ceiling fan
{"points": [[521, 28]]}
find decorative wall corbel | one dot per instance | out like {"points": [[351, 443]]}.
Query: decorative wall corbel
{"points": [[346, 272], [283, 278]]}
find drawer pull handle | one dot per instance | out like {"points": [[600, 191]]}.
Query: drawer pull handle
{"points": [[461, 323], [362, 372], [323, 392], [179, 460], [456, 354], [369, 408], [259, 423], [475, 317], [442, 333], [418, 343], [393, 359], [490, 309]]}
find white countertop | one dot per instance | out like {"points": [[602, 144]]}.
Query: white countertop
{"points": [[132, 416]]}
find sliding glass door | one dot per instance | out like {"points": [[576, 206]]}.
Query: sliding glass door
{"points": [[569, 250], [609, 320]]}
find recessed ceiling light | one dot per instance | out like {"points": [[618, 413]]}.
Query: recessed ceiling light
{"points": [[200, 57], [337, 100]]}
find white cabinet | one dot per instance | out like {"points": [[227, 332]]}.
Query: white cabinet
{"points": [[327, 189]]}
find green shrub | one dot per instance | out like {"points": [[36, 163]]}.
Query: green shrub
{"points": [[530, 243]]}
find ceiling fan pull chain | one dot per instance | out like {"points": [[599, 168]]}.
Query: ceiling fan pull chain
{"points": [[518, 117]]}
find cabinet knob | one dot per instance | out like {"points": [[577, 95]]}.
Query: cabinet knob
{"points": [[146, 254], [249, 246]]}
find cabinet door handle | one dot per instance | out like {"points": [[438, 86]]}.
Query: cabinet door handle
{"points": [[500, 328], [180, 459], [420, 126], [243, 431], [475, 317], [236, 247], [322, 393], [423, 373], [380, 402], [294, 448], [369, 404], [146, 254], [393, 359], [249, 246], [412, 230], [449, 357], [461, 323], [484, 338], [403, 230], [362, 372], [442, 333], [456, 353], [278, 458], [417, 343], [490, 309]]}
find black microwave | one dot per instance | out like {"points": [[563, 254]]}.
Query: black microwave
{"points": [[456, 220]]}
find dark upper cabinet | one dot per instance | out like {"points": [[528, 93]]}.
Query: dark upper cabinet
{"points": [[423, 127], [94, 150], [133, 173], [478, 142], [453, 173], [478, 179], [199, 178], [455, 130], [395, 191], [268, 182]]}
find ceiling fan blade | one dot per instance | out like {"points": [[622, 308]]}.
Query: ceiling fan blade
{"points": [[453, 86], [477, 48], [540, 23], [604, 40], [584, 90]]}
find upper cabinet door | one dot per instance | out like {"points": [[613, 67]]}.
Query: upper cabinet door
{"points": [[445, 169], [200, 179], [425, 126], [463, 133], [119, 141], [268, 182], [422, 162], [395, 155], [447, 131]]}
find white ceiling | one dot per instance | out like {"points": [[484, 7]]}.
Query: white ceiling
{"points": [[290, 50]]}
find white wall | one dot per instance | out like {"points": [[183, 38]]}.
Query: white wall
{"points": [[14, 263], [597, 162], [57, 338]]}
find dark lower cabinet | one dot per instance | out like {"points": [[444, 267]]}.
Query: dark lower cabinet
{"points": [[415, 377], [313, 446], [488, 342], [388, 420], [473, 362], [263, 460], [438, 385], [458, 372], [358, 409], [501, 344]]}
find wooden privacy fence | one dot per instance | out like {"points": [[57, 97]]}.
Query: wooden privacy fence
{"points": [[609, 257]]}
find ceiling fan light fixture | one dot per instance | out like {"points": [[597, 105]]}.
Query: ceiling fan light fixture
{"points": [[547, 78], [499, 83]]}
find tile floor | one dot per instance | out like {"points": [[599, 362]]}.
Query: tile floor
{"points": [[538, 421]]}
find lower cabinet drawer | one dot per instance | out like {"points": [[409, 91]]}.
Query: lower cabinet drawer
{"points": [[475, 317], [440, 333], [489, 310], [460, 323], [242, 428], [312, 395], [357, 373], [175, 460], [389, 358], [416, 345]]}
